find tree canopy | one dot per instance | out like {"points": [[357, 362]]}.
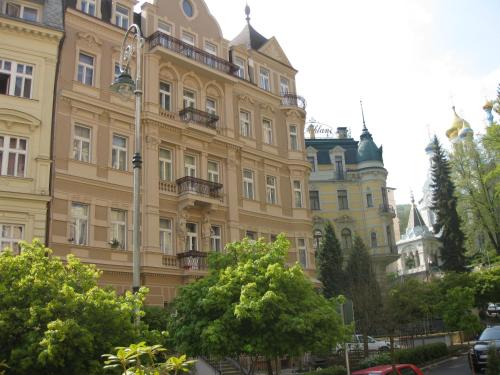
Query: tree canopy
{"points": [[253, 303]]}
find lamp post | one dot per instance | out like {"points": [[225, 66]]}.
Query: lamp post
{"points": [[126, 86]]}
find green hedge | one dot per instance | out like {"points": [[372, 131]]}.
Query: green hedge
{"points": [[335, 370]]}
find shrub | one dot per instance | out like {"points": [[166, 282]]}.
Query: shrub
{"points": [[493, 366], [421, 354], [380, 359], [335, 370]]}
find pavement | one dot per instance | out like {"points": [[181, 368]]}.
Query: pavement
{"points": [[457, 365]]}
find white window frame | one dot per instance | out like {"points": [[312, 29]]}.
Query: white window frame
{"points": [[117, 151], [211, 106], [302, 252], [267, 129], [19, 84], [166, 239], [166, 96], [216, 238], [284, 85], [17, 153], [293, 137], [187, 99], [8, 238], [85, 6], [191, 237], [84, 68], [213, 174], [79, 142], [165, 165], [190, 168], [119, 228], [121, 19], [248, 184], [265, 79], [245, 124], [188, 38], [79, 224], [297, 194], [240, 63], [210, 48], [22, 10], [271, 190], [165, 27]]}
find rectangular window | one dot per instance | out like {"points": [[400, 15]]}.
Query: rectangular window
{"points": [[245, 126], [81, 144], [271, 197], [10, 235], [15, 78], [79, 225], [310, 159], [373, 239], [211, 48], [164, 27], [302, 252], [339, 168], [166, 236], [191, 237], [265, 82], [119, 153], [21, 11], [13, 156], [88, 6], [121, 16], [342, 197], [165, 98], [189, 99], [248, 183], [314, 199], [189, 165], [165, 164], [369, 200], [215, 238], [294, 144], [211, 106], [188, 38], [240, 63], [213, 171], [251, 235], [85, 69], [119, 229], [284, 85], [297, 193], [267, 128]]}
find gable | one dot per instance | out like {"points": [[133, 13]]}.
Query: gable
{"points": [[273, 49]]}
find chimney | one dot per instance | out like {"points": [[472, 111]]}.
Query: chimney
{"points": [[342, 132]]}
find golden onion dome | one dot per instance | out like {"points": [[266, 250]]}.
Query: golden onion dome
{"points": [[457, 126]]}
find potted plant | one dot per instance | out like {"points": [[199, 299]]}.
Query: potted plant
{"points": [[114, 243]]}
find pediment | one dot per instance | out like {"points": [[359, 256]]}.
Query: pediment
{"points": [[10, 117], [273, 49], [311, 150], [90, 39]]}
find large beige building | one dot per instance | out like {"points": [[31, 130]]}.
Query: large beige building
{"points": [[30, 35], [223, 148]]}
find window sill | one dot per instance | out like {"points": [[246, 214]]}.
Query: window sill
{"points": [[121, 171], [90, 163], [16, 178], [19, 97]]}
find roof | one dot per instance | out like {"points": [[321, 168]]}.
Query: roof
{"points": [[250, 38], [323, 147], [368, 150]]}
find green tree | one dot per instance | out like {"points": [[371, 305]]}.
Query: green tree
{"points": [[364, 290], [54, 319], [444, 204], [329, 263], [252, 303], [493, 366]]}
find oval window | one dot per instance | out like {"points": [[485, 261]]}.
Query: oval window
{"points": [[187, 7]]}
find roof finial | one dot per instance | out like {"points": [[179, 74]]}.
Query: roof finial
{"points": [[247, 12], [362, 114], [412, 198]]}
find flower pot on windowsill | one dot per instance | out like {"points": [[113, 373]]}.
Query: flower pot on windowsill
{"points": [[114, 243]]}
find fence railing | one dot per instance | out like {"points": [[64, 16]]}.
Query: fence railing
{"points": [[293, 100], [190, 114], [199, 186], [193, 260]]}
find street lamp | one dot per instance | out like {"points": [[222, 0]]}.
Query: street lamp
{"points": [[125, 86]]}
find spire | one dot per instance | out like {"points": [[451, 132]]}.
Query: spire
{"points": [[247, 12], [362, 114], [416, 225]]}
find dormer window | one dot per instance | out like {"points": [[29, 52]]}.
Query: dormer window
{"points": [[240, 63], [121, 16], [21, 11], [339, 167]]}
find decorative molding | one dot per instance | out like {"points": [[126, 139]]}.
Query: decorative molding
{"points": [[267, 107], [293, 113], [246, 98], [344, 219], [89, 38], [10, 117]]}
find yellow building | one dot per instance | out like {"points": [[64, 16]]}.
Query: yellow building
{"points": [[30, 34], [347, 186]]}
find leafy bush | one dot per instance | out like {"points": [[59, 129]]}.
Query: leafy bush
{"points": [[335, 370], [381, 359], [493, 366]]}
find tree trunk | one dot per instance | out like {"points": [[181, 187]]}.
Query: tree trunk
{"points": [[269, 366]]}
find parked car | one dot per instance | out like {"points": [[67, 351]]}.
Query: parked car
{"points": [[493, 310], [478, 354], [356, 343], [402, 369]]}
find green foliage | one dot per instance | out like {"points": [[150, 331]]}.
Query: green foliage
{"points": [[253, 303], [334, 370], [141, 359], [329, 262], [493, 365], [54, 319], [379, 359], [456, 310], [444, 203]]}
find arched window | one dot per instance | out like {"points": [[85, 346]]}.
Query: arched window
{"points": [[346, 238], [373, 238]]}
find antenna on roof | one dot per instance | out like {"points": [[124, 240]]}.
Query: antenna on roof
{"points": [[362, 113], [247, 12]]}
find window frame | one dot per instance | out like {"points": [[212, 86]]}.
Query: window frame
{"points": [[165, 96], [268, 131], [10, 240], [75, 224], [166, 236], [191, 241], [165, 165], [212, 173], [117, 226], [342, 199], [284, 82], [346, 238], [293, 135], [314, 206], [271, 190], [210, 48], [302, 252], [369, 200], [265, 79], [120, 16], [297, 193], [245, 124], [190, 168], [6, 151], [116, 152], [241, 71], [12, 76], [81, 75], [373, 239], [88, 3], [216, 238], [211, 109], [312, 161], [81, 140], [248, 184], [21, 9], [164, 30], [186, 99]]}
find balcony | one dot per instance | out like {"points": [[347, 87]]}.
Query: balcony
{"points": [[387, 209], [193, 260], [190, 114], [166, 41], [198, 186], [292, 100]]}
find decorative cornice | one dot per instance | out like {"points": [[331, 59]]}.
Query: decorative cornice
{"points": [[267, 107], [246, 98], [39, 31], [344, 219], [89, 38]]}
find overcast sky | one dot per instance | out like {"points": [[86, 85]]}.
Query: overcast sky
{"points": [[408, 60]]}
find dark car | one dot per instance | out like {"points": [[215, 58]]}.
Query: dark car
{"points": [[478, 355]]}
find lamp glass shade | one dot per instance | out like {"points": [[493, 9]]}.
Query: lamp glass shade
{"points": [[124, 85]]}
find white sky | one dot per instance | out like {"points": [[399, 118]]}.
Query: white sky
{"points": [[408, 61]]}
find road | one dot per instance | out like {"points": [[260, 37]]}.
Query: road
{"points": [[455, 366]]}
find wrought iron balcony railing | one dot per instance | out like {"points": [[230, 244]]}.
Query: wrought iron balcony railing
{"points": [[386, 209], [190, 114], [161, 39], [199, 186], [193, 260], [293, 100]]}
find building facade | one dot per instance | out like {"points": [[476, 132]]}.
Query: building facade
{"points": [[223, 147], [347, 186], [30, 35]]}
